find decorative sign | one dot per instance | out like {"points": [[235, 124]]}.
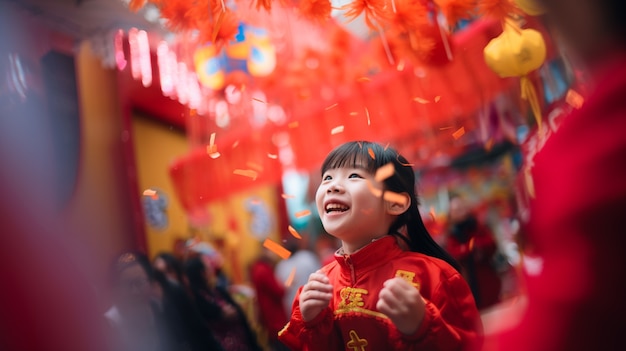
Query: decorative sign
{"points": [[154, 204]]}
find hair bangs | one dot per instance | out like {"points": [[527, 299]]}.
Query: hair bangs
{"points": [[355, 154]]}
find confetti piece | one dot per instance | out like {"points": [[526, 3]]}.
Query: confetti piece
{"points": [[294, 232], [353, 113], [293, 124], [149, 192], [272, 156], [395, 197], [363, 79], [212, 139], [445, 128], [360, 145], [384, 172], [303, 213], [246, 173], [336, 130], [459, 133], [432, 214], [574, 99], [400, 66], [235, 144], [331, 106], [377, 192], [402, 163], [437, 98], [287, 196], [471, 244], [421, 100], [367, 113], [255, 166], [289, 280], [259, 100], [215, 155], [276, 248], [386, 147], [371, 153], [489, 144]]}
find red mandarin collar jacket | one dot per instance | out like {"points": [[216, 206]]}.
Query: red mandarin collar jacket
{"points": [[352, 322]]}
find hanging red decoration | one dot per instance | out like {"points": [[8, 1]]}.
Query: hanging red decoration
{"points": [[135, 5], [407, 15], [315, 10], [373, 11], [456, 10], [264, 4], [176, 14], [497, 9]]}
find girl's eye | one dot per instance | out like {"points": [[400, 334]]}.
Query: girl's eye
{"points": [[328, 177], [354, 175]]}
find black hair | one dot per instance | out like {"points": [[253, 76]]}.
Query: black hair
{"points": [[172, 264], [195, 270], [372, 156], [128, 259]]}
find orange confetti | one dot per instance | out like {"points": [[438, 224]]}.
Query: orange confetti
{"points": [[272, 156], [303, 213], [294, 232], [247, 173], [400, 66], [331, 106], [363, 79], [459, 133], [336, 130], [287, 196], [235, 144], [445, 128], [377, 192], [574, 99], [437, 98], [215, 155], [421, 100], [212, 139], [353, 113], [259, 100], [387, 146], [289, 280], [371, 152], [402, 163], [470, 245], [293, 124], [149, 192], [432, 214], [367, 113], [255, 166], [395, 197], [489, 144], [384, 172], [276, 248]]}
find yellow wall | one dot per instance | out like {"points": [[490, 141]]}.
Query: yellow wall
{"points": [[156, 147]]}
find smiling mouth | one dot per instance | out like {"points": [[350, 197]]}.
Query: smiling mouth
{"points": [[336, 208]]}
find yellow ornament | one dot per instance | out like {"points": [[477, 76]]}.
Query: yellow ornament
{"points": [[516, 52], [531, 7]]}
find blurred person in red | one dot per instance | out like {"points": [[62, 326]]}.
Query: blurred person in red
{"points": [[472, 244], [270, 293], [576, 226]]}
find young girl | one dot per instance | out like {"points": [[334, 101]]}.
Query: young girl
{"points": [[376, 295]]}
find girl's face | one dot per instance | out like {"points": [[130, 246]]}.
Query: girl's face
{"points": [[348, 208]]}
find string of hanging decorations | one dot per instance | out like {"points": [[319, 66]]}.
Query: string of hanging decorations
{"points": [[217, 23]]}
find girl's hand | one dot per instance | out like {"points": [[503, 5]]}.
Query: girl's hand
{"points": [[315, 296], [403, 304]]}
